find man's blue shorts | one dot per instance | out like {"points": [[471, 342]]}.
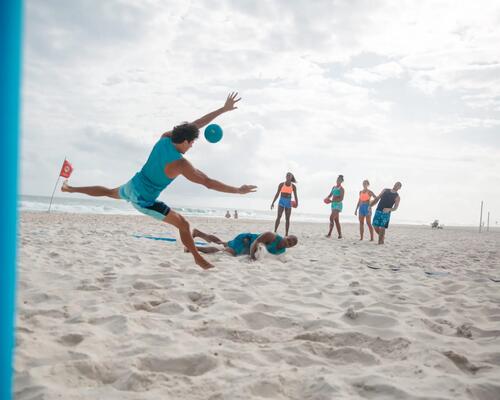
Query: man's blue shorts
{"points": [[381, 219], [155, 209], [241, 243]]}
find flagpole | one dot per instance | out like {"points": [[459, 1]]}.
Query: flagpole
{"points": [[55, 187], [481, 217]]}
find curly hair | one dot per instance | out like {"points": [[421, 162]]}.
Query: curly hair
{"points": [[185, 131]]}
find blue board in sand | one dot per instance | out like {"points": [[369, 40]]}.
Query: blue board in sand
{"points": [[436, 273], [391, 268], [165, 239]]}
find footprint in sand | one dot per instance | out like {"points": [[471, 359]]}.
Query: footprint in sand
{"points": [[134, 381], [341, 355], [234, 335], [114, 323], [392, 348], [144, 285], [85, 285], [191, 365], [71, 339], [463, 363], [259, 320], [200, 299]]}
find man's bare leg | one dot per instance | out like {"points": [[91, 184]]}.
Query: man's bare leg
{"points": [[212, 250], [207, 237], [96, 191], [381, 236], [182, 225], [206, 249]]}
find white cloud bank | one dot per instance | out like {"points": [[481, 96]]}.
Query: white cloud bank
{"points": [[387, 91]]}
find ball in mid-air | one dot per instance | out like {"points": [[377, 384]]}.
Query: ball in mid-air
{"points": [[213, 133]]}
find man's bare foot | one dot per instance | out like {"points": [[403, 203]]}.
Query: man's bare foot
{"points": [[340, 237], [65, 187], [196, 233], [204, 263]]}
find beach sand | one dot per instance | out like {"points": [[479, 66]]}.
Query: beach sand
{"points": [[105, 315]]}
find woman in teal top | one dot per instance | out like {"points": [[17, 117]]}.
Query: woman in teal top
{"points": [[335, 197]]}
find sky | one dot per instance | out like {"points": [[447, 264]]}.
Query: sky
{"points": [[380, 90]]}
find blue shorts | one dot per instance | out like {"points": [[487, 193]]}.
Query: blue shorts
{"points": [[285, 202], [381, 219], [364, 210], [155, 209], [241, 243], [337, 206]]}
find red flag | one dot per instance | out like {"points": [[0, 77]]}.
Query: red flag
{"points": [[66, 169]]}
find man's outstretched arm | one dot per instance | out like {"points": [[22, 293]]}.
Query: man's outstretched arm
{"points": [[229, 105], [265, 238], [185, 168]]}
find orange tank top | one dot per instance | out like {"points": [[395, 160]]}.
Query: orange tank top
{"points": [[287, 189], [364, 196]]}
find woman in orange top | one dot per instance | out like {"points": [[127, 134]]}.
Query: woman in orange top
{"points": [[365, 211], [285, 204]]}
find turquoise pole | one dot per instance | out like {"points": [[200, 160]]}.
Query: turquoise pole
{"points": [[10, 69]]}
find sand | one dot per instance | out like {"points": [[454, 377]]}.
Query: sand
{"points": [[105, 315]]}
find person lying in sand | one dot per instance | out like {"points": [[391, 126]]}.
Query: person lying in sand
{"points": [[247, 243]]}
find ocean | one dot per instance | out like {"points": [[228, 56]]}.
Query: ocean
{"points": [[91, 205], [109, 206]]}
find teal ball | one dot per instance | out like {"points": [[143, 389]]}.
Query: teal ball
{"points": [[213, 133]]}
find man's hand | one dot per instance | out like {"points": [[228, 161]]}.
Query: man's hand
{"points": [[272, 206], [247, 189], [231, 101]]}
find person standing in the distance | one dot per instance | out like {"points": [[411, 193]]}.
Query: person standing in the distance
{"points": [[389, 202], [165, 163], [227, 214], [335, 197], [285, 190], [235, 214], [365, 211]]}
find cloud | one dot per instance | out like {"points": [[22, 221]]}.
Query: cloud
{"points": [[380, 90]]}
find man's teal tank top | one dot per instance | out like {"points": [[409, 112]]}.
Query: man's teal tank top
{"points": [[150, 181], [273, 246]]}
